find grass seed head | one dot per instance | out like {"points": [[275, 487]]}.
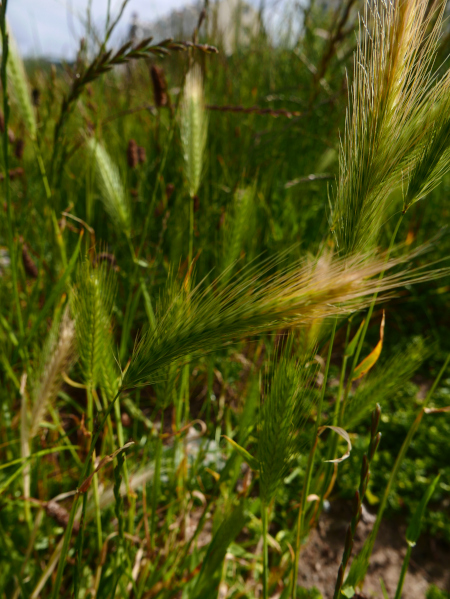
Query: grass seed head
{"points": [[159, 86], [19, 84], [194, 127], [61, 352], [132, 154], [113, 193]]}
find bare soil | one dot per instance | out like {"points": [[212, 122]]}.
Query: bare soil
{"points": [[320, 558]]}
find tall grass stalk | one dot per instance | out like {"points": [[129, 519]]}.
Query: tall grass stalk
{"points": [[264, 518], [309, 467], [144, 236], [258, 302], [113, 194], [84, 474], [360, 564], [19, 84], [9, 211], [366, 326]]}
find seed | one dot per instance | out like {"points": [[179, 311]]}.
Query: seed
{"points": [[196, 203], [28, 263], [159, 86], [19, 148], [36, 96], [132, 154], [142, 156], [170, 188]]}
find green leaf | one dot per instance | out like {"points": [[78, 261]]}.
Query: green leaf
{"points": [[351, 347], [359, 565], [348, 591], [148, 305], [207, 586], [56, 291], [251, 461], [383, 589], [413, 532]]}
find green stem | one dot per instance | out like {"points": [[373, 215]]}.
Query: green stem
{"points": [[40, 161], [401, 580], [155, 490], [9, 214], [341, 379], [191, 231], [144, 235], [366, 325], [398, 462], [309, 467], [264, 518], [68, 533], [98, 520]]}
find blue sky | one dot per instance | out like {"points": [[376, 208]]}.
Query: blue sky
{"points": [[53, 27]]}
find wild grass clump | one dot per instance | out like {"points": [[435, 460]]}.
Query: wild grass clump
{"points": [[189, 369]]}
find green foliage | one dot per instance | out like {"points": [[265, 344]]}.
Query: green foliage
{"points": [[413, 531], [207, 585], [385, 123], [201, 294], [238, 226], [434, 592], [194, 127], [285, 409], [113, 194], [92, 303], [388, 379], [20, 86]]}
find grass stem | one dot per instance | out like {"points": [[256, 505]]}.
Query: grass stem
{"points": [[368, 547], [309, 467], [401, 580], [264, 519], [9, 212]]}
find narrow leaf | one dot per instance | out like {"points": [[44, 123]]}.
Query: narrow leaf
{"points": [[207, 586], [413, 531], [383, 589], [251, 461], [109, 458], [351, 347], [437, 410], [56, 291], [342, 433], [372, 358]]}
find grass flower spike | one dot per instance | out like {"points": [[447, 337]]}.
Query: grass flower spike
{"points": [[60, 350], [112, 191], [385, 123], [194, 128], [19, 84], [256, 302]]}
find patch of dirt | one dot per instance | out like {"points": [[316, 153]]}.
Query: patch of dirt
{"points": [[321, 556]]}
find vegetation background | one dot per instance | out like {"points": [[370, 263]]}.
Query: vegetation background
{"points": [[170, 193]]}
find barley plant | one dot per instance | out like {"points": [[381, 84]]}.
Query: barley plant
{"points": [[249, 328]]}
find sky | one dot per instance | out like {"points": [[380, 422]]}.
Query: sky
{"points": [[52, 28]]}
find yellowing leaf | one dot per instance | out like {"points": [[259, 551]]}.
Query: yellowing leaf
{"points": [[342, 433], [372, 358], [371, 498], [214, 474], [251, 461], [410, 237]]}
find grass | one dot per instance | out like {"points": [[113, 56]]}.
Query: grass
{"points": [[204, 297]]}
